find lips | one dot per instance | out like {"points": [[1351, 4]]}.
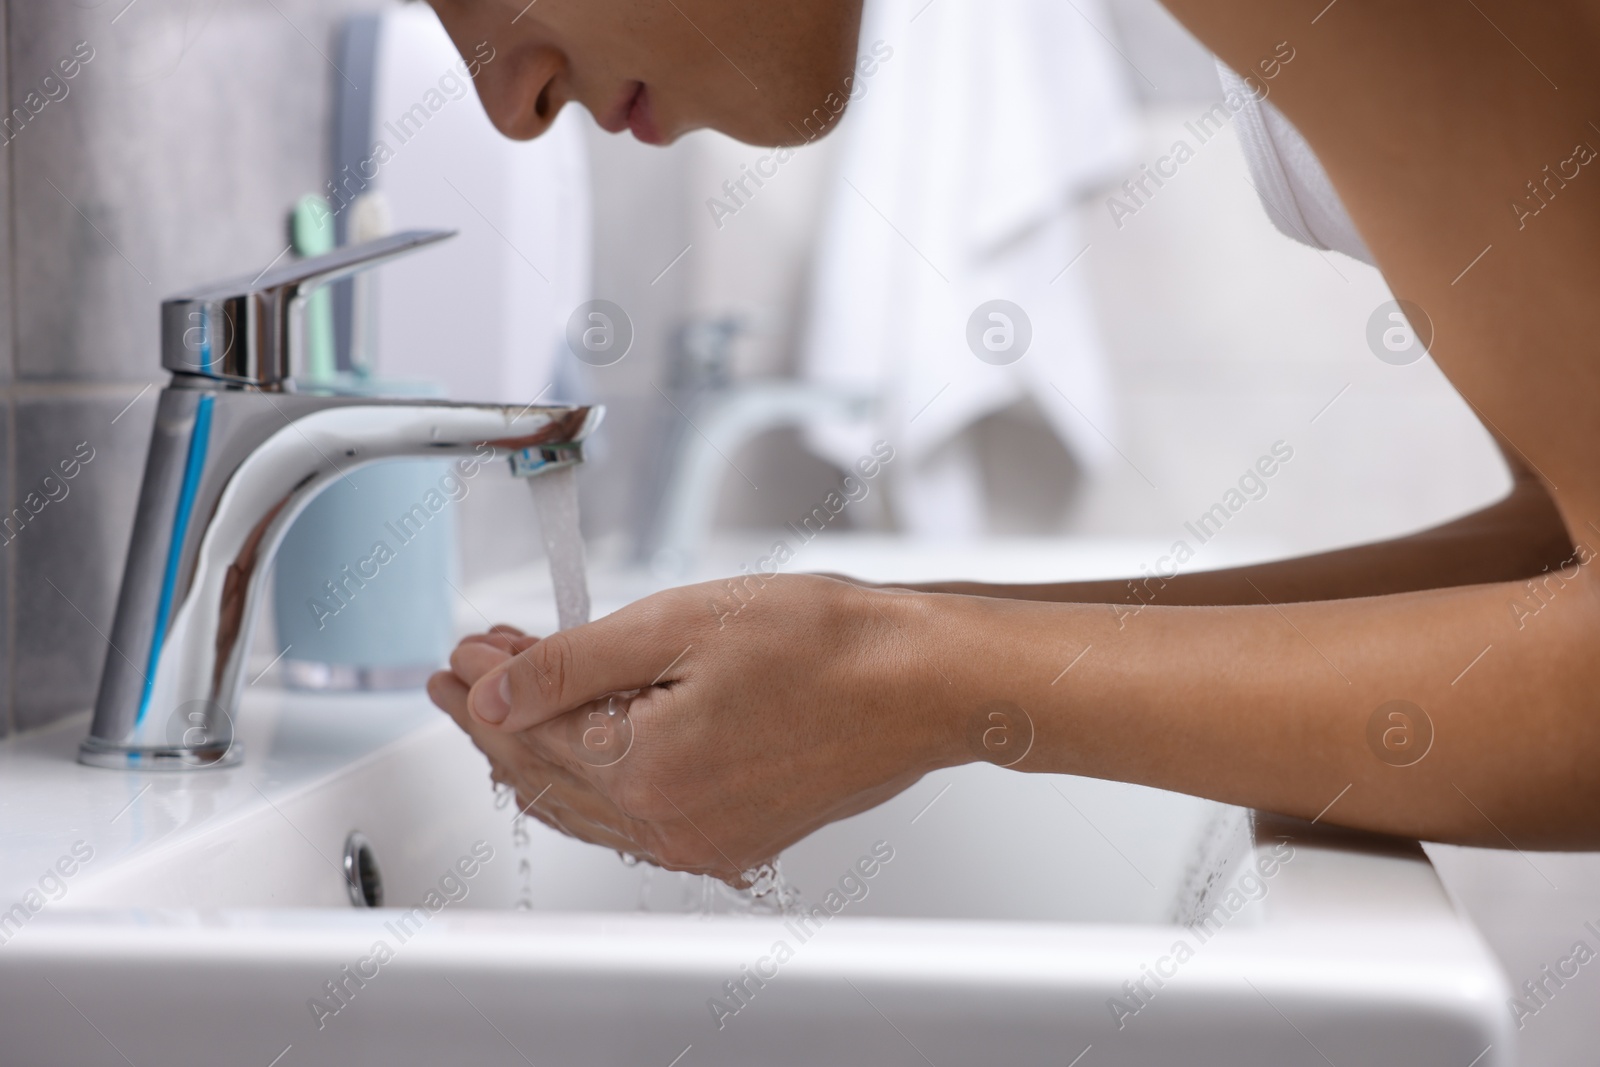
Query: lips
{"points": [[633, 112], [641, 119]]}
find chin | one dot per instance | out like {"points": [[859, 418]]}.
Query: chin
{"points": [[801, 117], [807, 86], [767, 131]]}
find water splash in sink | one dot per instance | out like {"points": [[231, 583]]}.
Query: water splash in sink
{"points": [[680, 892]]}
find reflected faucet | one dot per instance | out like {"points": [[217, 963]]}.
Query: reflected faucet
{"points": [[236, 454]]}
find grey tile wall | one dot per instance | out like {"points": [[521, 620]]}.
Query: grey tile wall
{"points": [[171, 159], [8, 564], [7, 361], [7, 318], [68, 558]]}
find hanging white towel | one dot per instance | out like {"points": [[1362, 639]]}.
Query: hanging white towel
{"points": [[962, 157]]}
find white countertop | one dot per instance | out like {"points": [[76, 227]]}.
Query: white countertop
{"points": [[48, 801]]}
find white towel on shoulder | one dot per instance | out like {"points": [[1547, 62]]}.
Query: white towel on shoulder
{"points": [[1295, 189]]}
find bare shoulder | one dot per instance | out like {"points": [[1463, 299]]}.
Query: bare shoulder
{"points": [[1463, 137]]}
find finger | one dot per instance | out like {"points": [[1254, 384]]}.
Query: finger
{"points": [[471, 660], [508, 638], [449, 693], [502, 751], [644, 644], [559, 796], [573, 808], [544, 756], [583, 799], [565, 801]]}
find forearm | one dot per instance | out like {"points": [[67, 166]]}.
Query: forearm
{"points": [[1270, 707], [1517, 538]]}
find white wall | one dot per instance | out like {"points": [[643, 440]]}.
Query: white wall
{"points": [[1227, 336], [1224, 337]]}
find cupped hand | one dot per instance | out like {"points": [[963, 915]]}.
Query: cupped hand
{"points": [[706, 731]]}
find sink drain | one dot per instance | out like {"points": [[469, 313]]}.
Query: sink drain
{"points": [[361, 876]]}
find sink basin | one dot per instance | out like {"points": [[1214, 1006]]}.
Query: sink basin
{"points": [[1007, 919], [982, 917]]}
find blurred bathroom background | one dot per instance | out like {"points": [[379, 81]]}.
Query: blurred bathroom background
{"points": [[766, 320]]}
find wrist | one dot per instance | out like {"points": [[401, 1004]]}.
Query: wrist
{"points": [[927, 637]]}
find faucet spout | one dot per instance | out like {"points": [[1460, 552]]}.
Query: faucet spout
{"points": [[229, 470]]}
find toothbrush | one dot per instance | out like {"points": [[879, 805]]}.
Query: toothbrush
{"points": [[370, 219], [311, 227]]}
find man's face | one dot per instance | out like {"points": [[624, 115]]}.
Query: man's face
{"points": [[754, 69]]}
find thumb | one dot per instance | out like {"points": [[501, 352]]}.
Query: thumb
{"points": [[643, 645]]}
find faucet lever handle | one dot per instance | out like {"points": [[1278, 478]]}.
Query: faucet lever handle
{"points": [[304, 276], [241, 330]]}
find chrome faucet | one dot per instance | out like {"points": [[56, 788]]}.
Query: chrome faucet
{"points": [[237, 453]]}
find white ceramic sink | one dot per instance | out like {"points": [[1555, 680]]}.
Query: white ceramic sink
{"points": [[1007, 919]]}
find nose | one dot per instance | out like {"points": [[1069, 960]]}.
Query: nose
{"points": [[523, 90]]}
